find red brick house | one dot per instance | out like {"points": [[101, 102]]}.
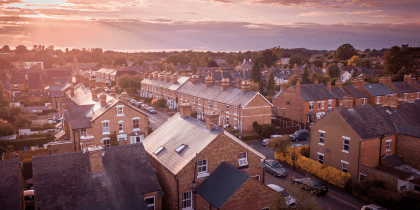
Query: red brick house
{"points": [[406, 89], [240, 191], [356, 91], [183, 146], [109, 178], [379, 91]]}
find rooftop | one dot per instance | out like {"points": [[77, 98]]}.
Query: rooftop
{"points": [[10, 190], [378, 89]]}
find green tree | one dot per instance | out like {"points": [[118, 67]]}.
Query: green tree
{"points": [[6, 64], [26, 168], [295, 59], [293, 79], [318, 63], [401, 61], [354, 75], [271, 84], [130, 83], [6, 128], [212, 63], [5, 48], [279, 143], [113, 141], [345, 52], [333, 71], [120, 62], [256, 74], [21, 50], [22, 121], [305, 76], [268, 58], [170, 67]]}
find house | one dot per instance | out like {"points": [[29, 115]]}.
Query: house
{"points": [[377, 92], [33, 96], [35, 83], [229, 188], [406, 89], [97, 178], [184, 149], [356, 91], [17, 83], [95, 116], [11, 190], [239, 108]]}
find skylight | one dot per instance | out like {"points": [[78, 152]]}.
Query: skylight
{"points": [[159, 150], [389, 112], [180, 148]]}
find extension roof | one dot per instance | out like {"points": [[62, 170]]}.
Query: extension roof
{"points": [[405, 87], [378, 89], [65, 181], [222, 183], [10, 182], [408, 130], [355, 92], [400, 174], [313, 92]]}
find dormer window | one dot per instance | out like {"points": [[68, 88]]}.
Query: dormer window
{"points": [[180, 148], [158, 150]]}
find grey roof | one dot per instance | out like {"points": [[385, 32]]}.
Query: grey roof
{"points": [[391, 116], [366, 122], [313, 92], [65, 181], [405, 87], [410, 111], [338, 92], [10, 190], [76, 115], [408, 130], [355, 92], [367, 71], [378, 89], [222, 183], [34, 81], [17, 78], [393, 161], [169, 85], [57, 94]]}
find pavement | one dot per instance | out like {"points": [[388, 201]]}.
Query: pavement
{"points": [[335, 198]]}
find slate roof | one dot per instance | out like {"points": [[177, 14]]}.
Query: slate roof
{"points": [[17, 78], [34, 81], [411, 111], [366, 122], [405, 87], [222, 183], [10, 190], [313, 92], [367, 71], [169, 85], [392, 116], [338, 92], [57, 94], [76, 115], [30, 94], [355, 92], [400, 174], [393, 161], [408, 130], [65, 181], [378, 89]]}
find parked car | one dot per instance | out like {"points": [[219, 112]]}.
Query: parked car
{"points": [[372, 207], [275, 136], [145, 107], [314, 187], [275, 168], [265, 141], [133, 102], [138, 104], [151, 110], [299, 135], [291, 201]]}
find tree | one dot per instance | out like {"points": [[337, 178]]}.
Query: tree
{"points": [[256, 72], [22, 121], [113, 141], [21, 50], [268, 57], [401, 61], [6, 64], [130, 83], [5, 48], [365, 62], [333, 71], [170, 67], [295, 59], [254, 86], [6, 128], [352, 60], [354, 75], [318, 63], [279, 143], [305, 76], [293, 79], [120, 62], [212, 63], [305, 200], [345, 52], [26, 168], [271, 84]]}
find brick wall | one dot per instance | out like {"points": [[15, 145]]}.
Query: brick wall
{"points": [[408, 150], [158, 200], [62, 148], [296, 102], [369, 152], [95, 158], [391, 151], [390, 181]]}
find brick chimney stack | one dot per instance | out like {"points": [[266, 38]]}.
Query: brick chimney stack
{"points": [[124, 97], [103, 100], [156, 75], [324, 66], [95, 157], [238, 82], [174, 78], [298, 87], [123, 67], [151, 75], [354, 82], [194, 79], [113, 92], [212, 120], [72, 90], [94, 93], [161, 76], [184, 110], [63, 108], [360, 83], [348, 102], [208, 81], [329, 85], [168, 77], [338, 83], [146, 75], [295, 66], [225, 83], [245, 85]]}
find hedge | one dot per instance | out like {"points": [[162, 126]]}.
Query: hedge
{"points": [[327, 173], [249, 136], [20, 144]]}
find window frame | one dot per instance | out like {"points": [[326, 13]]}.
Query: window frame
{"points": [[343, 167], [121, 129], [215, 105], [202, 173], [330, 103], [188, 197], [363, 101], [227, 108], [240, 157], [321, 136], [319, 105], [259, 177], [105, 131], [120, 108], [322, 104], [83, 133], [362, 175], [311, 105], [199, 101], [388, 145], [319, 159], [138, 120], [106, 142], [345, 138], [209, 104], [235, 112], [151, 205], [235, 123], [378, 99]]}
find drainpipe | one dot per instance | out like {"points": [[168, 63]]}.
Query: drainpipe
{"points": [[240, 118]]}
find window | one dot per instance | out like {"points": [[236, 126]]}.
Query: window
{"points": [[120, 110], [164, 92], [136, 123], [388, 145], [311, 105], [323, 104], [235, 123], [199, 101], [242, 159], [194, 100], [159, 150], [180, 148], [377, 99], [202, 166], [121, 126], [344, 165], [405, 96], [235, 112], [186, 200], [150, 202], [346, 144], [83, 132], [321, 137], [319, 105], [363, 101], [209, 103], [258, 177], [227, 108], [418, 95], [329, 103], [227, 120], [287, 102], [362, 177], [136, 139], [106, 142], [105, 127], [215, 105], [320, 158]]}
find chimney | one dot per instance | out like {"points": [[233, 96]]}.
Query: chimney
{"points": [[72, 90], [124, 96], [168, 77], [382, 80], [329, 85], [123, 67], [117, 67], [194, 79], [94, 95], [151, 75], [212, 119], [174, 78], [95, 157], [208, 81], [184, 110], [103, 100], [225, 83], [238, 82], [295, 66], [161, 76], [360, 82], [156, 75], [354, 82], [338, 83], [146, 75], [298, 86], [245, 85], [407, 78], [388, 81], [113, 92], [111, 66], [348, 102]]}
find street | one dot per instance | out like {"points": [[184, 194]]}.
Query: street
{"points": [[335, 198], [156, 120]]}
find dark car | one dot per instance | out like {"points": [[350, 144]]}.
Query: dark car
{"points": [[275, 168], [151, 110], [299, 135], [314, 187]]}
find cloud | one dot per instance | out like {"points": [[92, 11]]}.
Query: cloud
{"points": [[287, 2], [6, 2]]}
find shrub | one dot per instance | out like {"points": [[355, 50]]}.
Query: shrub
{"points": [[267, 130], [257, 127], [137, 98], [249, 136], [159, 103], [26, 167], [148, 100]]}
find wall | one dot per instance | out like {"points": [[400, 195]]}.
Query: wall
{"points": [[369, 152], [258, 109], [158, 200], [296, 102], [390, 180], [408, 150], [62, 148]]}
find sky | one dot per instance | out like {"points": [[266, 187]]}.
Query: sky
{"points": [[209, 25]]}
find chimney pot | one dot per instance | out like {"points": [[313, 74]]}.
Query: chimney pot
{"points": [[245, 85], [338, 83], [184, 110], [298, 86], [208, 81], [124, 96], [94, 95], [174, 78]]}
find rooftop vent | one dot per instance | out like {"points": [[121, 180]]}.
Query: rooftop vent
{"points": [[159, 150], [180, 148]]}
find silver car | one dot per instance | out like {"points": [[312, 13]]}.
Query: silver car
{"points": [[291, 201], [275, 168]]}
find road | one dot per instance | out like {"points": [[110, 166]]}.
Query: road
{"points": [[156, 120], [335, 198]]}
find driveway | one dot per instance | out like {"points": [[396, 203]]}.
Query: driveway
{"points": [[335, 198]]}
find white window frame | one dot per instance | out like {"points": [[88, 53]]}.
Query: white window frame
{"points": [[319, 105], [405, 96], [105, 131], [388, 145], [342, 166], [418, 95], [83, 133], [235, 123], [203, 173], [258, 177], [363, 101], [377, 99], [244, 160], [235, 112], [194, 100], [311, 105], [120, 110], [106, 144], [186, 198], [227, 121], [136, 118], [122, 126], [321, 136], [122, 137], [199, 101], [330, 103], [320, 154], [151, 205], [209, 104], [227, 108], [344, 140], [322, 105], [215, 105]]}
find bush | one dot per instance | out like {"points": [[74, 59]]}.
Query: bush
{"points": [[159, 103], [148, 100], [26, 167], [137, 98], [267, 130], [113, 141], [20, 144], [249, 136], [257, 127]]}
